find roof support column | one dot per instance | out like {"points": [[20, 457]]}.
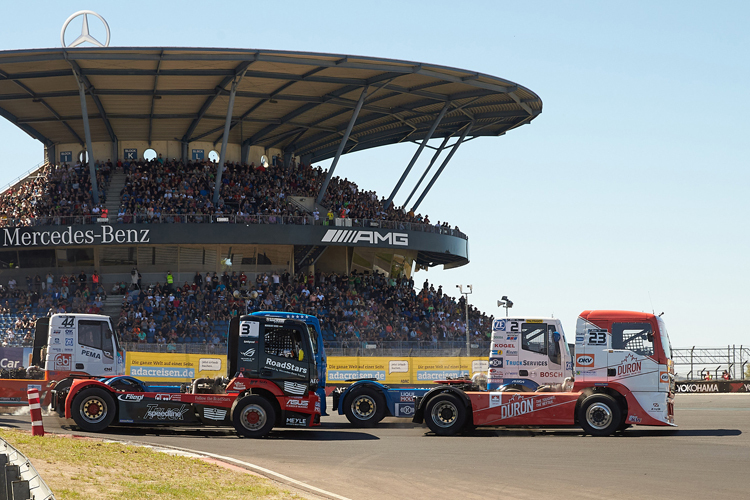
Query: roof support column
{"points": [[344, 140], [445, 163], [50, 154], [115, 149], [427, 170], [227, 124], [87, 133], [184, 152], [245, 154], [416, 155]]}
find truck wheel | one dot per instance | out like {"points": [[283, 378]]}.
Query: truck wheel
{"points": [[253, 416], [93, 409], [445, 414], [599, 415], [364, 408]]}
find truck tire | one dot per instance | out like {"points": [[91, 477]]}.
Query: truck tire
{"points": [[253, 416], [599, 415], [445, 414], [364, 407], [93, 409]]}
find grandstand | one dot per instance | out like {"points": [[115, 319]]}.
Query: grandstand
{"points": [[202, 198]]}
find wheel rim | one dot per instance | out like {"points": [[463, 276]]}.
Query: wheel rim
{"points": [[93, 410], [599, 416], [363, 407], [253, 417], [444, 414]]}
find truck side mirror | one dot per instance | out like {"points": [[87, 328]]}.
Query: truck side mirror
{"points": [[650, 337]]}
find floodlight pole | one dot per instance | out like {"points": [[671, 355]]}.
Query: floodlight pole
{"points": [[344, 139], [416, 155], [470, 289], [427, 170], [87, 133], [467, 129], [225, 137]]}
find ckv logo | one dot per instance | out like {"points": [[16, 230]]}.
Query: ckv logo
{"points": [[371, 237]]}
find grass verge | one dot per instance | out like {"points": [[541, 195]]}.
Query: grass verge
{"points": [[90, 469]]}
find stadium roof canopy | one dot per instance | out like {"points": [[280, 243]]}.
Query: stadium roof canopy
{"points": [[295, 101]]}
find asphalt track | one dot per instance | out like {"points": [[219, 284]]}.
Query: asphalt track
{"points": [[705, 457]]}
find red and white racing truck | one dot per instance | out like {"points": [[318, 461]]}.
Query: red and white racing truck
{"points": [[623, 371]]}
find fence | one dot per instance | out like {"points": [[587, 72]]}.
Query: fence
{"points": [[21, 480], [299, 220], [714, 360]]}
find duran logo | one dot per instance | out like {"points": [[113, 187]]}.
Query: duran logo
{"points": [[584, 360], [516, 406], [629, 366]]}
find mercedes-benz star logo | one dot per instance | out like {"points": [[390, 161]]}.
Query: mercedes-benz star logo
{"points": [[85, 36]]}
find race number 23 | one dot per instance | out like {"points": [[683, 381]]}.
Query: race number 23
{"points": [[597, 337]]}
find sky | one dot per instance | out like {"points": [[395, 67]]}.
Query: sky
{"points": [[627, 192]]}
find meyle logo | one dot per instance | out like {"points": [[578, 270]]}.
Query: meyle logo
{"points": [[101, 234], [372, 237]]}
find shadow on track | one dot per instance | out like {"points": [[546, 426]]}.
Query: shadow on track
{"points": [[116, 432], [629, 433]]}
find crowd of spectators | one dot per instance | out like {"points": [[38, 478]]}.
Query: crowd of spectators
{"points": [[22, 304], [53, 193], [163, 190], [351, 308]]}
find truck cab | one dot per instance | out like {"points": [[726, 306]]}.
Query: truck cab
{"points": [[316, 336], [84, 343], [529, 354], [630, 349]]}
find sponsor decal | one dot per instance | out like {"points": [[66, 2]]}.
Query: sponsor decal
{"points": [[500, 345], [297, 403], [597, 336], [317, 406], [156, 412], [56, 340], [497, 362], [38, 387], [5, 400], [526, 362], [168, 397], [495, 373], [499, 325], [404, 410], [103, 234], [664, 377], [107, 368], [497, 352], [286, 366], [579, 339], [568, 366], [655, 407], [67, 332], [56, 349], [296, 422], [516, 406], [496, 399], [353, 236], [551, 374], [584, 360], [511, 337], [697, 388], [239, 386], [130, 398], [68, 342], [629, 366], [214, 413], [249, 353], [209, 399], [344, 375], [161, 371], [61, 361], [406, 397], [91, 354], [634, 419], [249, 329], [511, 352]]}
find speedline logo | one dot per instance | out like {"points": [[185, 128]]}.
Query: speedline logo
{"points": [[371, 237]]}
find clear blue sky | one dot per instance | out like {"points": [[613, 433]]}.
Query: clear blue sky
{"points": [[628, 192]]}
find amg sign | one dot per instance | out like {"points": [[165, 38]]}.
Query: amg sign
{"points": [[372, 237], [103, 234]]}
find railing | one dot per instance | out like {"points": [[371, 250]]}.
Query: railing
{"points": [[23, 176], [346, 348], [714, 360], [23, 480], [299, 220]]}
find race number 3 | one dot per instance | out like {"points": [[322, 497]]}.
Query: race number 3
{"points": [[597, 336], [249, 329]]}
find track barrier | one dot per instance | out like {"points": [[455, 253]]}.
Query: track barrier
{"points": [[708, 386], [35, 409]]}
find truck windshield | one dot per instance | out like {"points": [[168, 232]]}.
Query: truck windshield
{"points": [[313, 338], [665, 343]]}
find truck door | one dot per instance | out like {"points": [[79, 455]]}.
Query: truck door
{"points": [[95, 352], [630, 359], [533, 357], [287, 356]]}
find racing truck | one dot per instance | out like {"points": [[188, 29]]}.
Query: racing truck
{"points": [[65, 346], [624, 375], [539, 360], [271, 382]]}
